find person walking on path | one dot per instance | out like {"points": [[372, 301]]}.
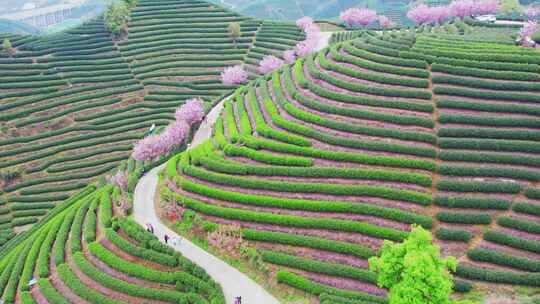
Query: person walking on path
{"points": [[238, 300], [166, 237]]}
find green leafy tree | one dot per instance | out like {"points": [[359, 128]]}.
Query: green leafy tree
{"points": [[6, 44], [8, 47], [413, 271], [510, 6], [131, 3], [117, 18], [234, 31]]}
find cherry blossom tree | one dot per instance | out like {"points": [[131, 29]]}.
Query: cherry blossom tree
{"points": [[461, 8], [439, 14], [234, 75], [120, 179], [303, 48], [358, 16], [191, 112], [528, 29], [420, 14], [289, 56], [173, 135], [485, 7], [304, 22], [309, 45], [148, 148], [385, 22], [269, 63], [532, 12]]}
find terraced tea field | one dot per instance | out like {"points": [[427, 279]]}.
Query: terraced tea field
{"points": [[72, 104], [316, 163], [321, 161], [85, 254]]}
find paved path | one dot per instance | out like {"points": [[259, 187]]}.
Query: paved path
{"points": [[509, 22], [233, 282], [324, 40]]}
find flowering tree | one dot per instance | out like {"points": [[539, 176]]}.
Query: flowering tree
{"points": [[191, 112], [528, 29], [120, 179], [420, 14], [304, 22], [234, 75], [309, 45], [439, 14], [358, 16], [414, 270], [289, 56], [461, 8], [485, 7], [269, 63], [303, 48], [174, 134], [148, 148], [532, 12], [385, 22]]}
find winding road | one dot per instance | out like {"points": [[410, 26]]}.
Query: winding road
{"points": [[233, 282]]}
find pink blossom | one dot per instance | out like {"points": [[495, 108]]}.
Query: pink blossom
{"points": [[439, 14], [358, 16], [174, 135], [148, 148], [234, 75], [269, 63], [303, 48], [309, 45], [532, 12], [485, 7], [191, 112], [312, 30], [304, 22], [461, 8], [385, 22], [528, 29], [120, 179], [420, 14], [289, 56]]}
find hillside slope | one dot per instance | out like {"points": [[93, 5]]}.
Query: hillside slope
{"points": [[84, 253], [320, 162], [72, 104]]}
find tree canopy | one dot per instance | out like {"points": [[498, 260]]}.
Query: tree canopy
{"points": [[510, 6], [117, 17], [414, 271], [234, 30], [6, 44]]}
